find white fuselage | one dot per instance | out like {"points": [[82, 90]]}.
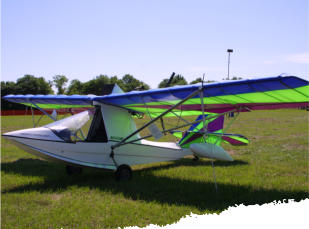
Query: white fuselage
{"points": [[93, 154], [109, 125]]}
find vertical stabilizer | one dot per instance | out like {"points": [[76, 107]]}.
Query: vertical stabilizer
{"points": [[111, 89]]}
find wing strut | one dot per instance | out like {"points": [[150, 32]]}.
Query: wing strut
{"points": [[42, 111], [123, 141], [178, 127]]}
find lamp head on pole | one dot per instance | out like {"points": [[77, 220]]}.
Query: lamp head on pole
{"points": [[228, 63]]}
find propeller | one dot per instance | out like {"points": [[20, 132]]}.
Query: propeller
{"points": [[170, 80]]}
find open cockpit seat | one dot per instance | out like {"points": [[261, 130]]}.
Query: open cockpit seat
{"points": [[97, 131]]}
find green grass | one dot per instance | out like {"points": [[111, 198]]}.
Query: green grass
{"points": [[274, 166]]}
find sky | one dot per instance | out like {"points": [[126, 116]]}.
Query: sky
{"points": [[151, 39]]}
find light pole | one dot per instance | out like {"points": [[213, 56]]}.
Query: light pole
{"points": [[228, 63]]}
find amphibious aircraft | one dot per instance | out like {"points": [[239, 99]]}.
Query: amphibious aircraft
{"points": [[113, 140]]}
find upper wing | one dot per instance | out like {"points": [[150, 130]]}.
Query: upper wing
{"points": [[256, 94], [52, 101]]}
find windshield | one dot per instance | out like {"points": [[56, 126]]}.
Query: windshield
{"points": [[67, 127]]}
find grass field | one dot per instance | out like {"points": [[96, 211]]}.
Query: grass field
{"points": [[274, 166]]}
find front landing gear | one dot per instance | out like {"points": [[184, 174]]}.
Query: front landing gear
{"points": [[71, 170], [123, 173]]}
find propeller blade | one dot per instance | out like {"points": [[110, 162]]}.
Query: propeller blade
{"points": [[170, 80]]}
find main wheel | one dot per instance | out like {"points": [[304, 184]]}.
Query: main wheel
{"points": [[123, 173], [195, 158], [72, 170]]}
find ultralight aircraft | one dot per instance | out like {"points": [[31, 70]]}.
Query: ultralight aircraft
{"points": [[114, 142]]}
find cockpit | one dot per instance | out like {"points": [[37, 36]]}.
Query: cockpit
{"points": [[72, 129]]}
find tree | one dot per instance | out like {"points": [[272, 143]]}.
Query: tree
{"points": [[51, 83], [27, 84], [177, 80], [119, 82], [8, 88], [236, 78], [75, 88], [96, 85], [132, 84], [233, 78], [60, 81], [199, 80]]}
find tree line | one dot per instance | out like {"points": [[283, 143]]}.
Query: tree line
{"points": [[29, 84]]}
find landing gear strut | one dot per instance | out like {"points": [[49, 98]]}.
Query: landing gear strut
{"points": [[123, 173], [71, 170]]}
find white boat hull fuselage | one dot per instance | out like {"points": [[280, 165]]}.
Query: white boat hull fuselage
{"points": [[97, 154], [54, 142]]}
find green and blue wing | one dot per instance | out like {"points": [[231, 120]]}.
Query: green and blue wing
{"points": [[256, 94]]}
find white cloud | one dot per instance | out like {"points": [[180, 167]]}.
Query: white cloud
{"points": [[299, 58]]}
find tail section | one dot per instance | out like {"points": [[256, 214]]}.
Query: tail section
{"points": [[194, 133], [214, 133]]}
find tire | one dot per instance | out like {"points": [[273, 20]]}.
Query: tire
{"points": [[195, 158], [72, 170], [123, 173]]}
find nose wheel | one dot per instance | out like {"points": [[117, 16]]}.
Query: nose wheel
{"points": [[123, 173]]}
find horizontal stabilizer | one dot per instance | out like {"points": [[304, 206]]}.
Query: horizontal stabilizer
{"points": [[213, 134], [233, 139]]}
